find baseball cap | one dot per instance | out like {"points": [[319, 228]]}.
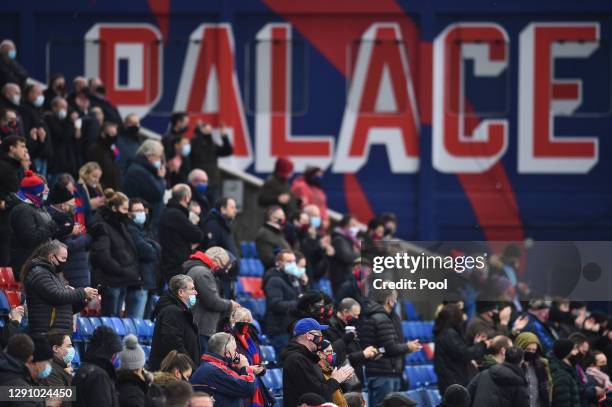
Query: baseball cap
{"points": [[306, 325]]}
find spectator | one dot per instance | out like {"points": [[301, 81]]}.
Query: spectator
{"points": [[205, 153], [10, 69], [282, 288], [96, 377], [328, 362], [89, 189], [217, 226], [25, 362], [301, 371], [346, 248], [56, 87], [456, 396], [563, 359], [34, 128], [177, 234], [64, 136], [596, 363], [380, 327], [538, 311], [453, 355], [355, 399], [12, 326], [51, 303], [390, 221], [62, 208], [148, 252], [308, 189], [310, 400], [96, 92], [496, 353], [79, 87], [316, 246], [198, 182], [502, 385], [352, 287], [9, 124], [30, 222], [104, 152], [61, 364], [10, 97], [177, 156], [276, 189], [536, 370], [342, 333], [247, 344], [113, 256], [397, 399], [178, 394], [174, 327], [269, 239], [178, 365], [493, 322], [128, 141], [179, 125], [144, 178], [224, 373], [587, 387], [204, 269], [201, 399], [133, 381], [90, 122]]}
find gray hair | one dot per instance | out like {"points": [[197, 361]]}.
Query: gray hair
{"points": [[346, 304], [219, 342], [150, 147], [194, 173], [180, 191], [179, 282], [218, 255]]}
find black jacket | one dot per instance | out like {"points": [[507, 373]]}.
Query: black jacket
{"points": [[142, 181], [502, 385], [202, 200], [58, 376], [133, 391], [50, 303], [302, 374], [14, 373], [100, 151], [345, 345], [11, 173], [176, 235], [272, 189], [282, 292], [148, 252], [12, 71], [217, 232], [566, 390], [63, 142], [95, 380], [32, 117], [205, 153], [113, 254], [452, 358], [174, 329], [349, 289], [342, 261], [269, 241], [379, 328]]}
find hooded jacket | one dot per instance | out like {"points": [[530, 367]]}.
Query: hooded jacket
{"points": [[14, 373], [51, 303], [133, 390], [302, 374], [282, 292], [502, 385]]}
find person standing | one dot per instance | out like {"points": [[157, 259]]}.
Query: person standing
{"points": [[104, 152], [563, 359], [536, 370], [270, 239], [133, 381], [276, 190]]}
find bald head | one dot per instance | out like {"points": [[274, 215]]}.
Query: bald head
{"points": [[79, 83], [6, 46], [197, 176], [12, 92], [312, 211], [181, 193]]}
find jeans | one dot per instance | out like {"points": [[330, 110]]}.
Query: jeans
{"points": [[379, 387], [278, 342], [112, 301], [135, 301], [150, 306], [203, 343], [41, 166]]}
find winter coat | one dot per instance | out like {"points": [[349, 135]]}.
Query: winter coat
{"points": [[205, 153], [217, 232], [14, 373], [11, 173], [142, 181], [95, 383], [566, 392], [63, 141], [174, 329], [148, 252], [101, 152], [227, 385], [502, 385], [310, 194], [345, 346], [282, 292], [113, 253], [452, 358], [127, 146], [302, 374], [202, 200], [349, 289], [545, 333], [478, 324], [32, 117], [272, 189], [12, 71], [87, 194], [378, 328], [59, 377], [133, 391], [176, 235], [31, 227], [341, 264], [269, 241], [50, 303], [210, 305]]}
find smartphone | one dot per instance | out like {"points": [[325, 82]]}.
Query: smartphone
{"points": [[381, 350]]}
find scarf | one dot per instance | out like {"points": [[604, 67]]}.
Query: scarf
{"points": [[602, 379], [36, 200], [204, 259], [254, 358]]}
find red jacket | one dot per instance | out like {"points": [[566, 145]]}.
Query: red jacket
{"points": [[310, 194]]}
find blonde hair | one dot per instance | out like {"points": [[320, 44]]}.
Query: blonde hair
{"points": [[240, 314], [88, 168], [114, 199]]}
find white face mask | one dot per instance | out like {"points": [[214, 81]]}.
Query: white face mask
{"points": [[62, 113], [16, 99], [40, 99]]}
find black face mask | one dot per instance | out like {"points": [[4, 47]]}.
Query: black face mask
{"points": [[101, 89], [182, 130], [575, 359], [132, 130], [60, 265], [242, 327], [235, 359], [530, 356], [317, 340]]}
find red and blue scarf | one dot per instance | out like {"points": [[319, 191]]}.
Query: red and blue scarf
{"points": [[254, 358]]}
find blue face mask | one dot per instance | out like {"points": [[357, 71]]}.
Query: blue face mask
{"points": [[43, 374], [140, 218], [116, 361], [315, 222], [12, 54], [157, 164], [292, 269], [69, 356], [201, 188], [192, 300], [38, 102], [186, 150]]}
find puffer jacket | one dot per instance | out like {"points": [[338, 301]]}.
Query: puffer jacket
{"points": [[50, 303], [149, 253], [379, 328], [282, 292], [502, 385], [113, 254], [141, 180], [14, 373], [566, 392]]}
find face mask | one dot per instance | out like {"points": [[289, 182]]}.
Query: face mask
{"points": [[353, 231], [101, 89], [388, 231], [60, 265], [45, 196], [140, 218], [43, 374], [132, 130], [331, 358], [201, 188], [281, 223], [242, 327], [529, 356], [292, 269], [315, 222], [116, 361], [186, 150], [157, 164], [69, 356], [192, 300], [40, 99], [575, 359], [317, 340], [12, 53], [62, 114], [16, 99]]}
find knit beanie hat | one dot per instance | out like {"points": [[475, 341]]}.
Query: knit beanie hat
{"points": [[132, 356], [42, 349], [562, 348], [283, 167], [59, 194], [32, 183], [456, 396], [525, 339]]}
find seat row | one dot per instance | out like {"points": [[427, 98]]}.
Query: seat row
{"points": [[142, 328], [422, 330], [420, 376]]}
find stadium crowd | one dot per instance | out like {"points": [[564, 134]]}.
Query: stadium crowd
{"points": [[88, 226]]}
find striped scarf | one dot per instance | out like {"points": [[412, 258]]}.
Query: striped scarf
{"points": [[252, 355]]}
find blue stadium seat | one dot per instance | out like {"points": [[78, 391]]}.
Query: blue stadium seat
{"points": [[142, 329], [253, 250], [150, 326], [147, 351], [427, 335], [245, 267], [268, 354], [408, 329], [433, 396], [76, 362], [130, 328], [244, 249], [118, 326], [95, 322], [417, 396], [325, 285], [411, 313], [84, 329], [257, 267], [5, 307], [257, 307], [416, 358], [274, 380]]}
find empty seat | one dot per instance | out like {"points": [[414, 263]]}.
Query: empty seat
{"points": [[95, 322], [118, 326], [245, 268], [325, 285], [418, 396], [433, 397], [252, 286], [129, 326], [274, 380], [5, 307], [7, 279], [411, 313], [142, 330], [268, 354], [14, 297], [257, 267], [84, 329]]}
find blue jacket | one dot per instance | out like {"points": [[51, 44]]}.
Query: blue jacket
{"points": [[148, 252], [141, 181], [545, 333], [228, 386], [127, 146]]}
